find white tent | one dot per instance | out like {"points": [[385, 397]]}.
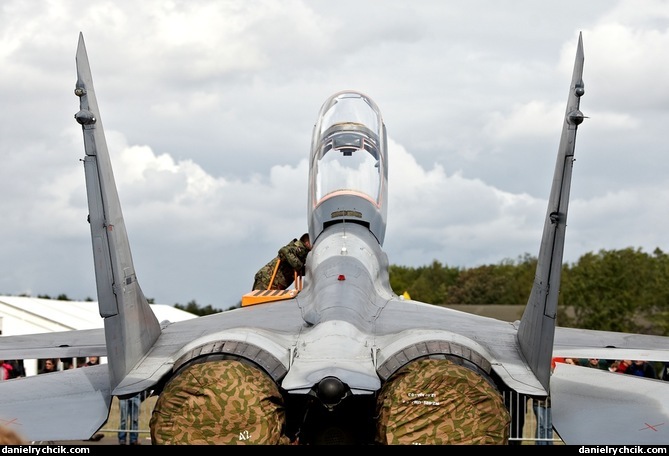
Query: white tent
{"points": [[21, 315]]}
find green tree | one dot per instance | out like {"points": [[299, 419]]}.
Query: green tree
{"points": [[658, 311], [618, 290], [521, 278], [508, 282], [428, 284], [195, 309], [611, 290], [480, 285]]}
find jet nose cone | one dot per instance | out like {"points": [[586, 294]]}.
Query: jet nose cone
{"points": [[331, 390]]}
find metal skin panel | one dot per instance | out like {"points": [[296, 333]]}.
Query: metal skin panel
{"points": [[61, 344], [67, 405], [597, 407], [130, 325], [537, 326]]}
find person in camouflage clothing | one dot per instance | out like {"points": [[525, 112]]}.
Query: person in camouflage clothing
{"points": [[291, 258]]}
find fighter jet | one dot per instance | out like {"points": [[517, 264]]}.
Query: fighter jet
{"points": [[342, 358]]}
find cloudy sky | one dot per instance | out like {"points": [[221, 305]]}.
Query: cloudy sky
{"points": [[208, 108]]}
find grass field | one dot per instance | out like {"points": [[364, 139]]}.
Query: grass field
{"points": [[111, 427]]}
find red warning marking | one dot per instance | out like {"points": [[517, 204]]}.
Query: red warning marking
{"points": [[8, 422], [652, 427]]}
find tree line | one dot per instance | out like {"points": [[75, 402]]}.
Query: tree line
{"points": [[623, 290]]}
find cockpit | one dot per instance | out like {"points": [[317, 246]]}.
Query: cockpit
{"points": [[348, 165], [349, 161]]}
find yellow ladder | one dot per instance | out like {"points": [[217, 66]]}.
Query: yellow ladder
{"points": [[269, 295]]}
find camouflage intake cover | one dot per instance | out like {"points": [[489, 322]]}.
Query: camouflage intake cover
{"points": [[437, 402], [219, 402]]}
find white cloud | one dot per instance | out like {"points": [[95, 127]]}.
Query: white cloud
{"points": [[208, 109]]}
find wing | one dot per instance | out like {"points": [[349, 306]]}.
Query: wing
{"points": [[261, 333], [67, 405], [588, 343], [592, 406], [62, 344]]}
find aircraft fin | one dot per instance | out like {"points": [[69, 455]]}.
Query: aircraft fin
{"points": [[537, 325], [131, 327]]}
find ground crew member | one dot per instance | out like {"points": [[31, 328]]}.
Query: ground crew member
{"points": [[291, 260]]}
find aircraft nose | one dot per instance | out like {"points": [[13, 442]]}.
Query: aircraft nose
{"points": [[331, 391]]}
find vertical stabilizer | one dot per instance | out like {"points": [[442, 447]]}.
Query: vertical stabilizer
{"points": [[537, 326], [131, 327]]}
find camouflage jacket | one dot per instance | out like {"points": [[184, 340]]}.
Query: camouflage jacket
{"points": [[293, 257]]}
